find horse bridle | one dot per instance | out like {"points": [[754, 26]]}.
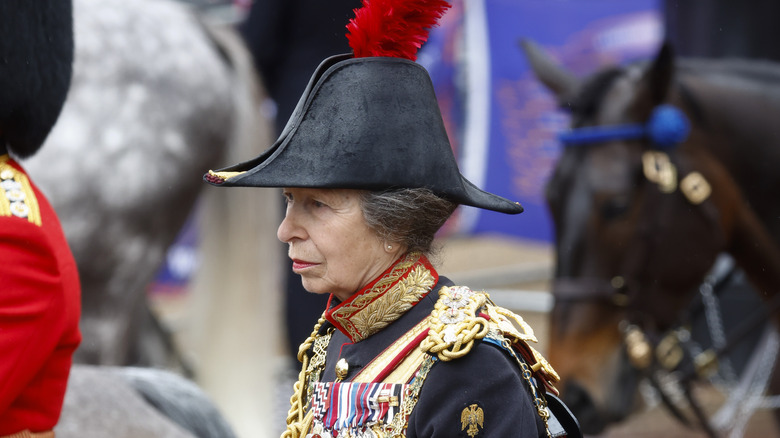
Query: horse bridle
{"points": [[666, 128]]}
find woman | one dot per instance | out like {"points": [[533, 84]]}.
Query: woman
{"points": [[369, 177]]}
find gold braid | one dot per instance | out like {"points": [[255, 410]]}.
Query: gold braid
{"points": [[455, 327], [296, 420]]}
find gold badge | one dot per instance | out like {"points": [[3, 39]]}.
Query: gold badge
{"points": [[472, 420], [17, 197]]}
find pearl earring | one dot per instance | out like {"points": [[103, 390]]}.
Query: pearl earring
{"points": [[389, 246]]}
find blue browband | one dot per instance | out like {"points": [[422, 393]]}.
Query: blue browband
{"points": [[667, 127]]}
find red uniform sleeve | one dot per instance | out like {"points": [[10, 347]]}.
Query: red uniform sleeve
{"points": [[31, 320]]}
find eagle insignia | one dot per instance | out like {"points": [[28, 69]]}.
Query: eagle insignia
{"points": [[472, 420]]}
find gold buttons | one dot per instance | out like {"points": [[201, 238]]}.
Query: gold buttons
{"points": [[342, 368]]}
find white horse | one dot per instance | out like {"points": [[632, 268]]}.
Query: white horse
{"points": [[159, 96], [127, 402]]}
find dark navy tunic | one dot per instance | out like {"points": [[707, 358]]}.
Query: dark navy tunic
{"points": [[486, 377]]}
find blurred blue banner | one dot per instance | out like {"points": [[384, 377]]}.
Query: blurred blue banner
{"points": [[181, 261], [502, 122]]}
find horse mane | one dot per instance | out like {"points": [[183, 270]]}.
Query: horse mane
{"points": [[756, 77], [749, 75], [740, 101], [759, 71]]}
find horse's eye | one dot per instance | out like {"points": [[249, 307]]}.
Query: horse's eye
{"points": [[615, 207]]}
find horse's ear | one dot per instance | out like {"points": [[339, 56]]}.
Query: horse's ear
{"points": [[658, 78], [558, 80]]}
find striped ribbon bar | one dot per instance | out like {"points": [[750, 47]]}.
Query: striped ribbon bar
{"points": [[350, 405]]}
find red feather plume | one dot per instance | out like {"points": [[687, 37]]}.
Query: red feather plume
{"points": [[394, 28]]}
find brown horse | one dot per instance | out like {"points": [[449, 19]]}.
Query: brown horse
{"points": [[641, 216]]}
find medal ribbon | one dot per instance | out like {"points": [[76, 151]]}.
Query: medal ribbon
{"points": [[349, 405]]}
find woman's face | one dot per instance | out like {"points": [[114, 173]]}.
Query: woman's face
{"points": [[332, 248]]}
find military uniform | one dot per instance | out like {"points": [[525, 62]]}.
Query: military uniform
{"points": [[39, 306], [409, 354], [412, 355]]}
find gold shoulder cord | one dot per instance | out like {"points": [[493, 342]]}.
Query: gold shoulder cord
{"points": [[455, 326], [299, 421]]}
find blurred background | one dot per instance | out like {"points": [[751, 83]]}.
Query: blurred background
{"points": [[218, 287]]}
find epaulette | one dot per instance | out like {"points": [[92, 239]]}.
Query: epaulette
{"points": [[462, 316], [17, 198], [456, 323]]}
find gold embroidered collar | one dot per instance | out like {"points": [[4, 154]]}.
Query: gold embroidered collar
{"points": [[385, 299]]}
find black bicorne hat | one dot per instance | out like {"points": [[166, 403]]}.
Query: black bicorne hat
{"points": [[364, 123], [369, 121]]}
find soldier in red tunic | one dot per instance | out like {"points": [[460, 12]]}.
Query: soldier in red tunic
{"points": [[39, 284]]}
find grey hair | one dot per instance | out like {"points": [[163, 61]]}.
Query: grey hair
{"points": [[407, 216]]}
